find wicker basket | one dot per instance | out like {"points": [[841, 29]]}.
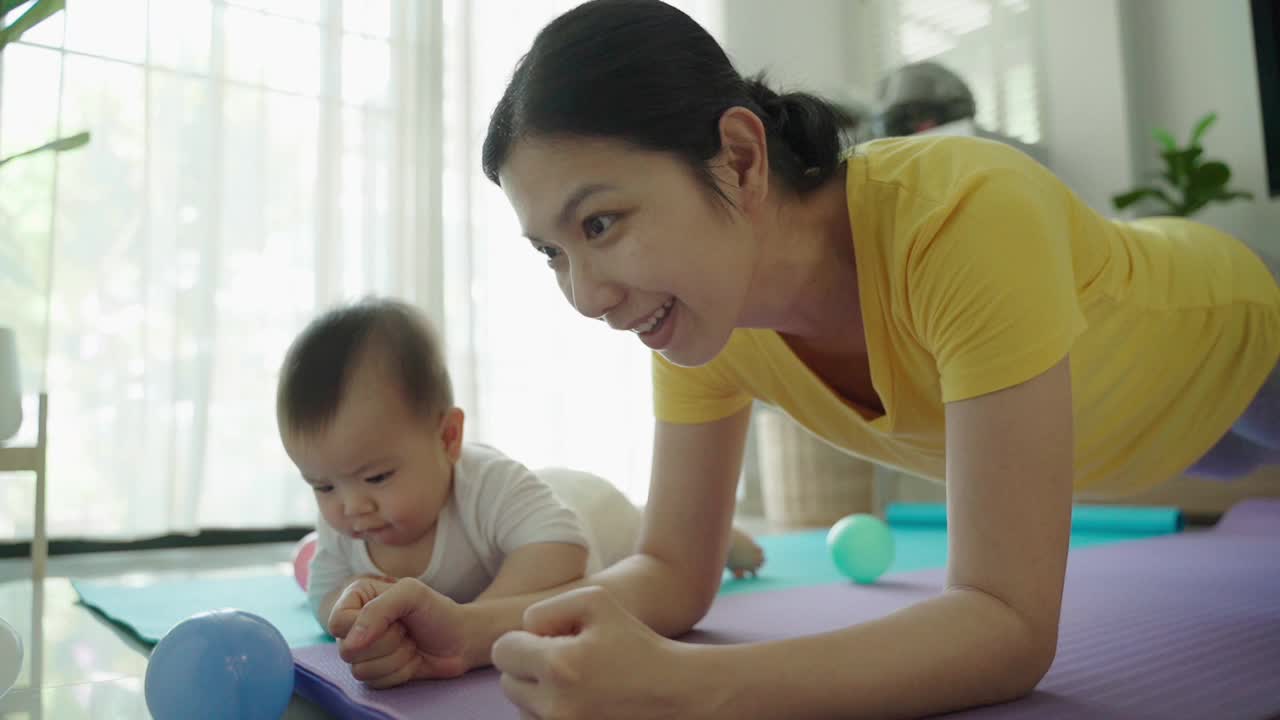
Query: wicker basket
{"points": [[807, 483]]}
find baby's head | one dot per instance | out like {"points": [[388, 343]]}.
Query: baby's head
{"points": [[365, 410]]}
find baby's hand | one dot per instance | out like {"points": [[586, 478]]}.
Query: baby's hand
{"points": [[389, 660], [391, 634], [356, 595], [745, 556]]}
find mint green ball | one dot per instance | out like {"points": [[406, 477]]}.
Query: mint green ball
{"points": [[861, 547]]}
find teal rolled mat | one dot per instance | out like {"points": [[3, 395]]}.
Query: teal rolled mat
{"points": [[916, 515], [147, 612], [1110, 519], [1135, 519]]}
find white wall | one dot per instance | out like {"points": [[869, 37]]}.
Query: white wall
{"points": [[825, 46], [1187, 57], [1085, 100], [829, 49]]}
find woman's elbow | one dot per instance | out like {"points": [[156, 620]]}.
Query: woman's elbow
{"points": [[701, 595], [1031, 662], [701, 581], [688, 593]]}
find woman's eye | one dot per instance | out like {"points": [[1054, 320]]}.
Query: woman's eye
{"points": [[379, 478], [555, 256], [596, 225], [322, 488]]}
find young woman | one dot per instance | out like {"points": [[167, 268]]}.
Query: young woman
{"points": [[942, 305]]}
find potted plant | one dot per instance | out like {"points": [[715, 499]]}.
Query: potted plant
{"points": [[1189, 181]]}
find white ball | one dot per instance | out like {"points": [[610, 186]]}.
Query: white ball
{"points": [[10, 656]]}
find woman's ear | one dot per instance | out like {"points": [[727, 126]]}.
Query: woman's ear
{"points": [[742, 165], [451, 426]]}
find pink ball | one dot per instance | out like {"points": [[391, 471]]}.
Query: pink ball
{"points": [[302, 554]]}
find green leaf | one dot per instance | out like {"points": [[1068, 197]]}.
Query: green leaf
{"points": [[72, 142], [8, 6], [1202, 127], [1165, 138], [1213, 174], [1205, 183], [1181, 164], [1229, 195], [36, 14], [1124, 200], [60, 145]]}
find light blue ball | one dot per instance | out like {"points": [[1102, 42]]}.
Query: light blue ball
{"points": [[861, 547], [220, 665]]}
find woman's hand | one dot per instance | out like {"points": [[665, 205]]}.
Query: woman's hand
{"points": [[391, 633], [581, 655]]}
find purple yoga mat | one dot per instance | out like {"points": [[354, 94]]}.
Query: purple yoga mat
{"points": [[1181, 626]]}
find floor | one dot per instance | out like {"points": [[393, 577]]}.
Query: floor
{"points": [[76, 666]]}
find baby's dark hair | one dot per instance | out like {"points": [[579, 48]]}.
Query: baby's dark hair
{"points": [[643, 72], [320, 361]]}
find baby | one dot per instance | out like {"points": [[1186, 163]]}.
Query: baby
{"points": [[365, 410]]}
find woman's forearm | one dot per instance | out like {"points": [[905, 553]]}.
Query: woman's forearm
{"points": [[962, 649], [649, 588]]}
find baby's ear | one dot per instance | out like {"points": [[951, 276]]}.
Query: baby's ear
{"points": [[451, 432]]}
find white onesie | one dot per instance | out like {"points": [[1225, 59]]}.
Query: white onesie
{"points": [[497, 505]]}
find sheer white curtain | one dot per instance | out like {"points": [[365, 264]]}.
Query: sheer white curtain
{"points": [[544, 384], [252, 161]]}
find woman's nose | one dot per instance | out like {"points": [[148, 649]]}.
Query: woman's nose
{"points": [[589, 292]]}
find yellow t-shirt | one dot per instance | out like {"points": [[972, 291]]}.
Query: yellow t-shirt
{"points": [[979, 270]]}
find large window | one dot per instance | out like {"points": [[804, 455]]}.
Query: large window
{"points": [[252, 162], [241, 175]]}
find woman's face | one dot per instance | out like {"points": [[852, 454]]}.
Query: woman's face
{"points": [[634, 238]]}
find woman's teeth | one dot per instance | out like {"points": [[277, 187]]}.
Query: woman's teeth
{"points": [[655, 320]]}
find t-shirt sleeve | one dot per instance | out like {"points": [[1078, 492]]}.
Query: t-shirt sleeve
{"points": [[687, 396], [518, 509], [330, 565], [992, 290]]}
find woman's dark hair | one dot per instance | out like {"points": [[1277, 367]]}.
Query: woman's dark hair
{"points": [[643, 72]]}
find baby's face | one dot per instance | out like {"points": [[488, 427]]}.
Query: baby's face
{"points": [[379, 472]]}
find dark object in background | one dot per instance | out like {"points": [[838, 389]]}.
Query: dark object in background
{"points": [[919, 97], [1266, 45]]}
